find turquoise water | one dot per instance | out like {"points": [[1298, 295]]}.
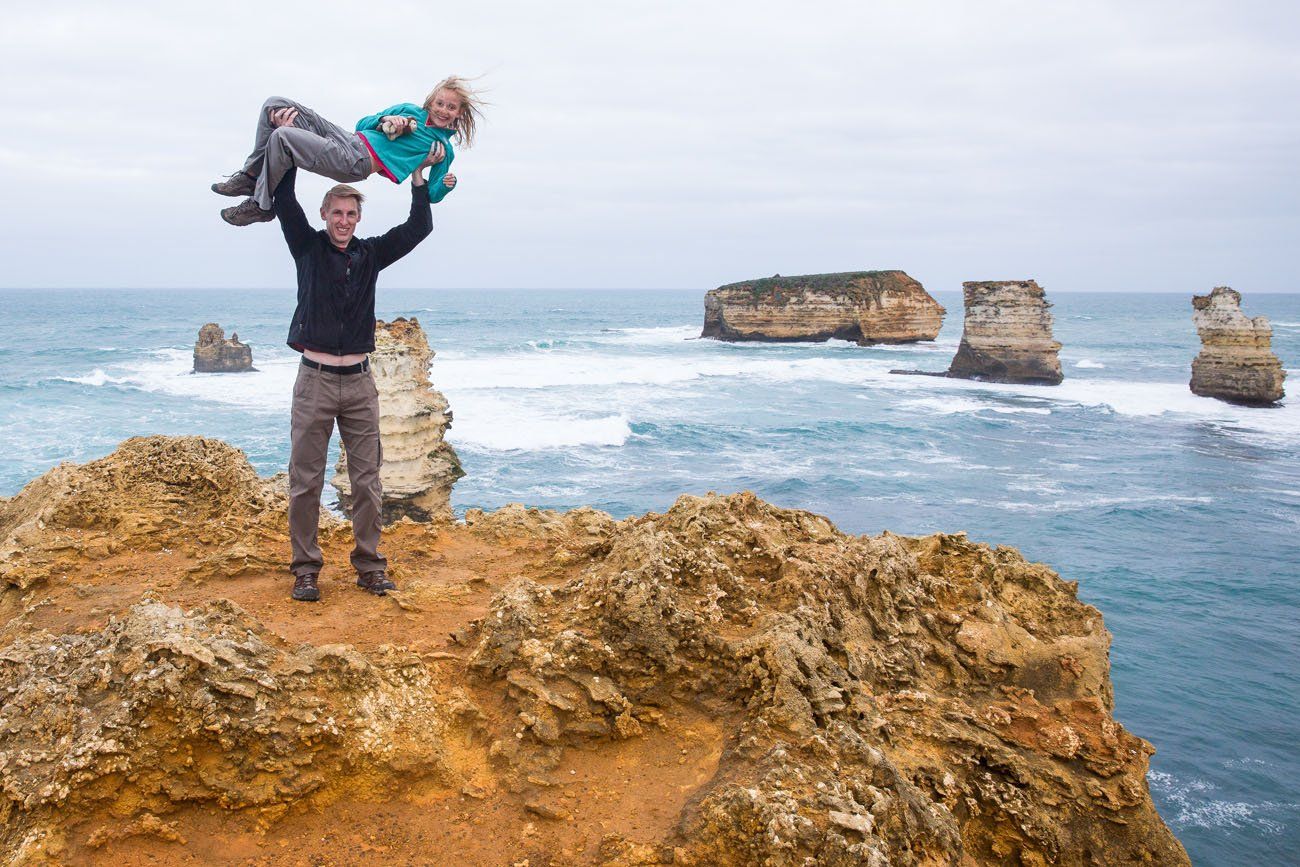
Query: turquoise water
{"points": [[1178, 515]]}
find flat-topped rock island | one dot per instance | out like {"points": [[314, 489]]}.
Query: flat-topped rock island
{"points": [[865, 307]]}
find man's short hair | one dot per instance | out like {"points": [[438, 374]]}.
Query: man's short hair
{"points": [[342, 191]]}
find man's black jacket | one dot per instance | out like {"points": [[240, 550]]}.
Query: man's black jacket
{"points": [[336, 288]]}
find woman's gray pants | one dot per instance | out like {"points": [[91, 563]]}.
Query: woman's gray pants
{"points": [[312, 143]]}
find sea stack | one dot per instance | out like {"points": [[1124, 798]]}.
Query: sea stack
{"points": [[419, 465], [213, 353], [1237, 362], [863, 306], [1007, 336]]}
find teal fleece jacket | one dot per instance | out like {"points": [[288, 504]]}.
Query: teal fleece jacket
{"points": [[401, 155]]}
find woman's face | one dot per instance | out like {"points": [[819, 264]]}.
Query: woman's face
{"points": [[445, 109]]}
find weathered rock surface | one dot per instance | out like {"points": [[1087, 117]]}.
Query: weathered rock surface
{"points": [[165, 708], [420, 466], [1236, 363], [1007, 336], [863, 306], [728, 683], [193, 494], [214, 353], [891, 700]]}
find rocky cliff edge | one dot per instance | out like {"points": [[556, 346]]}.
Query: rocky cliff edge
{"points": [[726, 683]]}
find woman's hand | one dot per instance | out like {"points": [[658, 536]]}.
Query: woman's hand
{"points": [[401, 125], [284, 116], [449, 180]]}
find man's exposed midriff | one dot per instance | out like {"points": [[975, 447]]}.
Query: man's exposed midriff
{"points": [[335, 360]]}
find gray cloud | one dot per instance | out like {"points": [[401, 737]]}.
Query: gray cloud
{"points": [[1092, 145]]}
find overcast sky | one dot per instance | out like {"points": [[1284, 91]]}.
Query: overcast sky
{"points": [[1091, 145]]}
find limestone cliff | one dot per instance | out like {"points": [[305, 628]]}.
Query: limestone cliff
{"points": [[1236, 362], [727, 683], [420, 466], [1007, 336], [213, 353], [863, 306]]}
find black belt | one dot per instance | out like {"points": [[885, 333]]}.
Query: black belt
{"points": [[360, 367]]}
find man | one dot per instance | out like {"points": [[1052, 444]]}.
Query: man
{"points": [[334, 329]]}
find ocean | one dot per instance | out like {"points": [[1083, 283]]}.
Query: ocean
{"points": [[1179, 516]]}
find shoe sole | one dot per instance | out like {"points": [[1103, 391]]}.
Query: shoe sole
{"points": [[383, 592], [243, 192], [240, 225]]}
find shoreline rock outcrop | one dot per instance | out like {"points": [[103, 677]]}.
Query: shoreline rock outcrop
{"points": [[782, 693], [1236, 362], [865, 307], [1007, 335], [215, 353], [419, 466]]}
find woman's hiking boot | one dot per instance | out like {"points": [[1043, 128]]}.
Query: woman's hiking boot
{"points": [[246, 213], [241, 183]]}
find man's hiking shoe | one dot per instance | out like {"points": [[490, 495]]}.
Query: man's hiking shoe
{"points": [[246, 213], [239, 184], [305, 589], [375, 582]]}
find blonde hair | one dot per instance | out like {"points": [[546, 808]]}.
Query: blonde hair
{"points": [[342, 191], [471, 106]]}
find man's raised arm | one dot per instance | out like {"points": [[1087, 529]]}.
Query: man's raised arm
{"points": [[400, 240], [298, 233]]}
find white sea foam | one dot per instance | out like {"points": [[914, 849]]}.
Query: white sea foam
{"points": [[1082, 503], [661, 335], [1129, 398], [945, 345], [1036, 485], [168, 371], [1193, 806], [96, 377], [501, 426], [939, 458], [950, 405], [562, 367], [533, 370], [1089, 364], [1245, 763]]}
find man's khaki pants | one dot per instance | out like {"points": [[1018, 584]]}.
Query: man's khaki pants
{"points": [[319, 399]]}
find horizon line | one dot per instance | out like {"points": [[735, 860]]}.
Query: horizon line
{"points": [[290, 288]]}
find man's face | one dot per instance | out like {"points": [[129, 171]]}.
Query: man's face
{"points": [[341, 215]]}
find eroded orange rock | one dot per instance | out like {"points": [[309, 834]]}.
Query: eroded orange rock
{"points": [[726, 683]]}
